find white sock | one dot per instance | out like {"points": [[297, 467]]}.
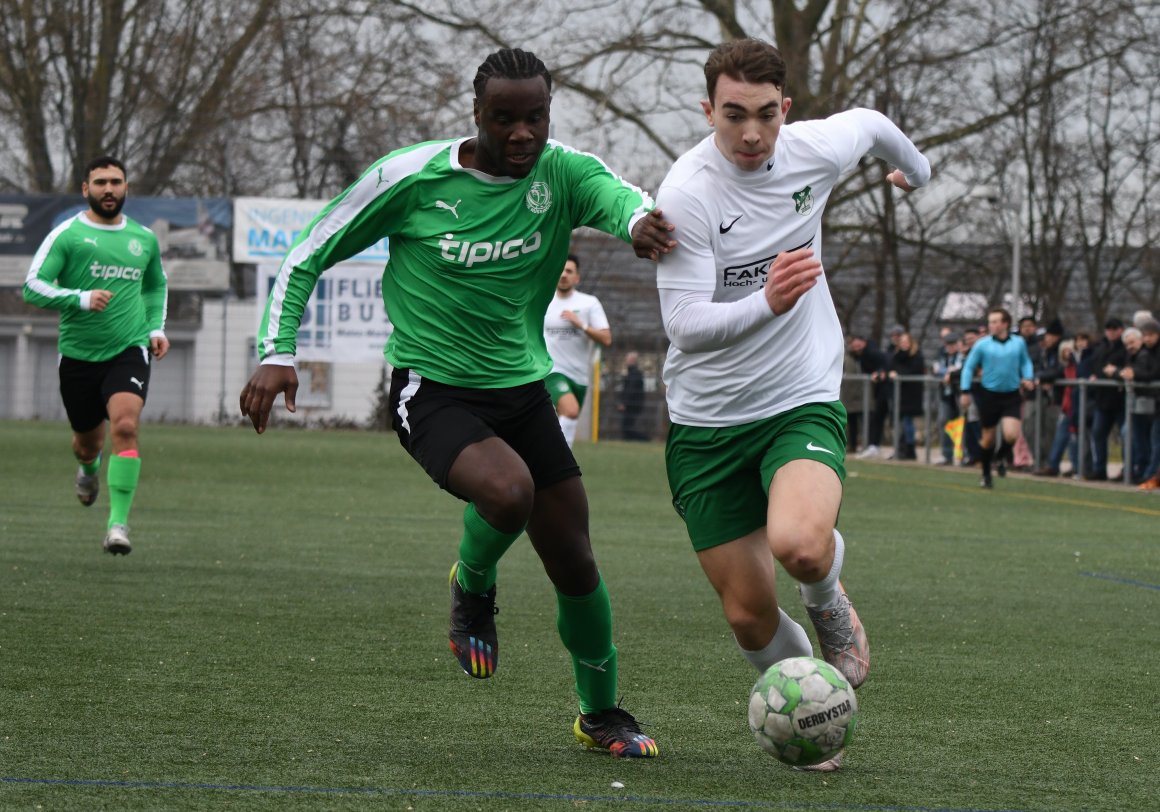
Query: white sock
{"points": [[790, 640], [568, 426], [826, 591]]}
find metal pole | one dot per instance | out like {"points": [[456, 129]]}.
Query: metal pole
{"points": [[1129, 407], [1040, 404], [221, 415], [896, 418], [1081, 439], [1016, 256], [865, 412]]}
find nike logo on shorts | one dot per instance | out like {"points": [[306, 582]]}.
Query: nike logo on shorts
{"points": [[811, 447]]}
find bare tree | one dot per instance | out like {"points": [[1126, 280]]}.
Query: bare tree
{"points": [[215, 96], [1052, 101], [141, 79], [983, 86]]}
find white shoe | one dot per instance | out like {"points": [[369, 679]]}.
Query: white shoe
{"points": [[869, 452], [828, 766], [841, 638], [117, 540], [88, 486]]}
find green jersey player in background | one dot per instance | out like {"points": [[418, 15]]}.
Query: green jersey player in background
{"points": [[755, 455], [574, 323], [102, 271], [479, 228]]}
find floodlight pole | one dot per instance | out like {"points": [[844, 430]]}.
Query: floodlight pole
{"points": [[993, 196], [1016, 257]]}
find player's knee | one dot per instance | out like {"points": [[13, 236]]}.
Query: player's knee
{"points": [[803, 550], [753, 623], [571, 567], [505, 502], [86, 450], [124, 430]]}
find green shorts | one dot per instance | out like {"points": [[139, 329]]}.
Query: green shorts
{"points": [[559, 385], [720, 477]]}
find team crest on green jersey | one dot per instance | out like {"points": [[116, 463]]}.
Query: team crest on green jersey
{"points": [[135, 248], [803, 201], [539, 198]]}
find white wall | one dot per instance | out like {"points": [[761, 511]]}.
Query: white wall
{"points": [[199, 381], [225, 359]]}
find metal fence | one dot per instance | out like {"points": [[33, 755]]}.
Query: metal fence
{"points": [[932, 430]]}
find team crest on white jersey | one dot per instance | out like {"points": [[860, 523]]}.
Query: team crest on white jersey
{"points": [[539, 198], [135, 247], [803, 201]]}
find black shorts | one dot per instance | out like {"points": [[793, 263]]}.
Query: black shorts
{"points": [[994, 406], [435, 422], [86, 386]]}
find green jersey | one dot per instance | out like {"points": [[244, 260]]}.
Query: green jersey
{"points": [[474, 258], [80, 256]]}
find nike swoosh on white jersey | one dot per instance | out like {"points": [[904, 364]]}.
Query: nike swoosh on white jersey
{"points": [[811, 447]]}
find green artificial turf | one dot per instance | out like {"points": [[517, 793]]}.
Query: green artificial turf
{"points": [[277, 640]]}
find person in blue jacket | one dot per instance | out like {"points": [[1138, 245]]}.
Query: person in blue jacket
{"points": [[1007, 368]]}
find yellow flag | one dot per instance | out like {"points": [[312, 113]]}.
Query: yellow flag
{"points": [[954, 430]]}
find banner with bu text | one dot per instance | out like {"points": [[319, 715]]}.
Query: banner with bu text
{"points": [[345, 320]]}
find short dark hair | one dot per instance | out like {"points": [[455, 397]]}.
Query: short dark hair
{"points": [[1001, 311], [101, 163], [510, 63], [746, 60], [574, 258]]}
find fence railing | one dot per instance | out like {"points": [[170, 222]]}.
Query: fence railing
{"points": [[1041, 397]]}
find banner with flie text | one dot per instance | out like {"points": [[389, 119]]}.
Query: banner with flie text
{"points": [[345, 319]]}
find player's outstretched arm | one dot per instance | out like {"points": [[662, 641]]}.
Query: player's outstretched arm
{"points": [[267, 382], [899, 179], [650, 236]]}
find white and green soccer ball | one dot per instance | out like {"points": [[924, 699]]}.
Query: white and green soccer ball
{"points": [[802, 710]]}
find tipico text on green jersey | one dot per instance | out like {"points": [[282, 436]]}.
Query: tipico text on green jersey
{"points": [[80, 256]]}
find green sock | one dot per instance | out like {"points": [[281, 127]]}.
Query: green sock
{"points": [[585, 626], [123, 475], [92, 467], [480, 550]]}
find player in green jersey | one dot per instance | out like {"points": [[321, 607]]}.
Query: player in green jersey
{"points": [[479, 228], [102, 271]]}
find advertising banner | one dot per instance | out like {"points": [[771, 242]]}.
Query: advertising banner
{"points": [[266, 227], [193, 234], [345, 320]]}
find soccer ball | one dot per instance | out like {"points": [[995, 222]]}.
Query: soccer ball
{"points": [[802, 710]]}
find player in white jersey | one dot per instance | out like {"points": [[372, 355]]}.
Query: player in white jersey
{"points": [[756, 452], [573, 325]]}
